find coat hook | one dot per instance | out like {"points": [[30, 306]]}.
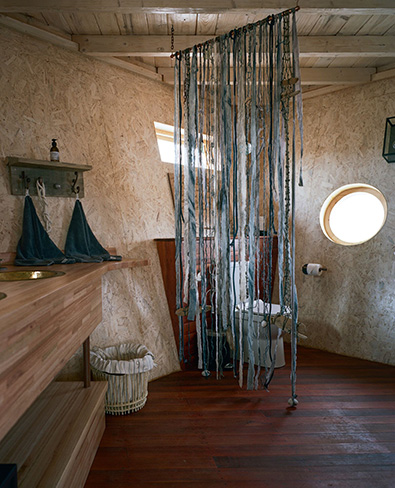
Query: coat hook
{"points": [[75, 189], [26, 180]]}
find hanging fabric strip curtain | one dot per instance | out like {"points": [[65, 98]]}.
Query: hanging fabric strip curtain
{"points": [[238, 140]]}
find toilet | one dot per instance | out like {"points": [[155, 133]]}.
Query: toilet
{"points": [[261, 341]]}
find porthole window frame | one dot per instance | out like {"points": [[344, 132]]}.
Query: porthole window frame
{"points": [[335, 197]]}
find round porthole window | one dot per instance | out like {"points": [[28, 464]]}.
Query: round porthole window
{"points": [[353, 214]]}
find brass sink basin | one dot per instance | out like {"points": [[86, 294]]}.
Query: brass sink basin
{"points": [[28, 275], [2, 295]]}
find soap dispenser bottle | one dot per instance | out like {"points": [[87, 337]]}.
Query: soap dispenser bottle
{"points": [[54, 151]]}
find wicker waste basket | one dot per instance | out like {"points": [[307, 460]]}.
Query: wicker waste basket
{"points": [[126, 368]]}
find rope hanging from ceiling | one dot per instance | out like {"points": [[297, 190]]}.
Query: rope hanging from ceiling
{"points": [[237, 109]]}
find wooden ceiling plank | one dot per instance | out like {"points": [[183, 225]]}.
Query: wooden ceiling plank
{"points": [[82, 23], [391, 31], [157, 24], [327, 46], [228, 21], [328, 25], [377, 25], [320, 62], [353, 25], [345, 62], [306, 62], [207, 24], [339, 7], [57, 20], [37, 16], [139, 24], [124, 24], [305, 22], [361, 62], [184, 24], [107, 23]]}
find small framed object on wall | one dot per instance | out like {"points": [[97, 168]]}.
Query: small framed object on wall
{"points": [[389, 140]]}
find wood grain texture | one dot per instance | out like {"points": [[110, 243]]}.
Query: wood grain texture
{"points": [[200, 432], [54, 443], [42, 324], [346, 7], [159, 45]]}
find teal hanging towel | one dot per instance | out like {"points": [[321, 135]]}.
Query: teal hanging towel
{"points": [[81, 243], [35, 247]]}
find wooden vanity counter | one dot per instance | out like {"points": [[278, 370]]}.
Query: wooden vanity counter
{"points": [[23, 295], [42, 324]]}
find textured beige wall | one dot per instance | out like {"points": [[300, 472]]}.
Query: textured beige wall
{"points": [[351, 308], [102, 116]]}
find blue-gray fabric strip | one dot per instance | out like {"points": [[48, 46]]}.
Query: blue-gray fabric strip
{"points": [[202, 200], [252, 237], [191, 155], [294, 332], [279, 161], [298, 87], [177, 196]]}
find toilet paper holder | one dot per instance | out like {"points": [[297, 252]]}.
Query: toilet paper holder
{"points": [[313, 269]]}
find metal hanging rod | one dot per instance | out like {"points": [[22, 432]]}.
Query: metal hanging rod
{"points": [[233, 32]]}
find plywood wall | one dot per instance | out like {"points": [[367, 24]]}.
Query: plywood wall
{"points": [[351, 308], [102, 116]]}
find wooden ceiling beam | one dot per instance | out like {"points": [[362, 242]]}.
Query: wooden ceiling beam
{"points": [[336, 76], [339, 7], [312, 76], [132, 45], [310, 46], [347, 46], [324, 90], [134, 68]]}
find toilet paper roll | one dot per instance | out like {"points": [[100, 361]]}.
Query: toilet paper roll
{"points": [[313, 269]]}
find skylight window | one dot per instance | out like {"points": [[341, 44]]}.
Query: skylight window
{"points": [[165, 138]]}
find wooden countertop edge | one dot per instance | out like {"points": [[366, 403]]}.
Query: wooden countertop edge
{"points": [[127, 263], [24, 294]]}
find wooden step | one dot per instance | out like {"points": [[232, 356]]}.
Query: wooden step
{"points": [[55, 441]]}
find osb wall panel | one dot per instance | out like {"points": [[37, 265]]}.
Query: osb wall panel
{"points": [[350, 309], [102, 116]]}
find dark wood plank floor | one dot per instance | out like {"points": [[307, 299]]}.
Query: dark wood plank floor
{"points": [[198, 432]]}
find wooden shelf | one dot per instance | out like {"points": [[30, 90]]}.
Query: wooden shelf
{"points": [[55, 441], [57, 176], [40, 163]]}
